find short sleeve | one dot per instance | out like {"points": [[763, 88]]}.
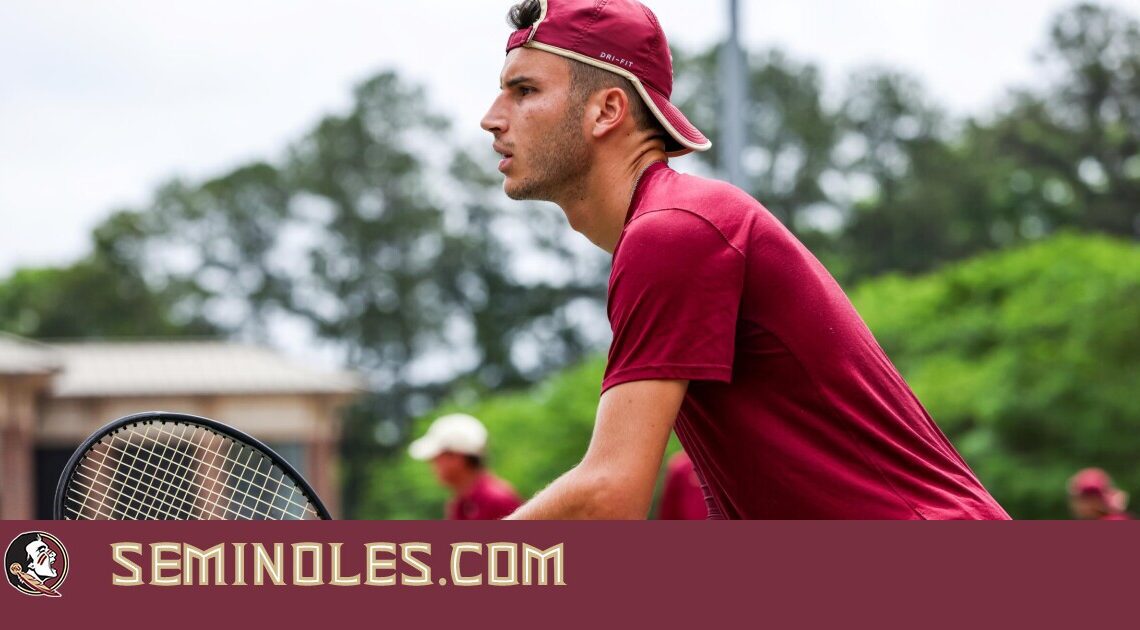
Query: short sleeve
{"points": [[674, 299]]}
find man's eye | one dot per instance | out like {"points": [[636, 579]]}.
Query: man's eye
{"points": [[523, 90]]}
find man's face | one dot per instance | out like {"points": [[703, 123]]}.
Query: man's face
{"points": [[538, 128], [449, 467], [1087, 506], [41, 559]]}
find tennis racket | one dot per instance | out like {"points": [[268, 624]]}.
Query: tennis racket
{"points": [[172, 466]]}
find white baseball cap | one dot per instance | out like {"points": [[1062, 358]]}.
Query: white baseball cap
{"points": [[456, 433]]}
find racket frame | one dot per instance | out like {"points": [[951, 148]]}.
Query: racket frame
{"points": [[168, 416]]}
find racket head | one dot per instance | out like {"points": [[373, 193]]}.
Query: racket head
{"points": [[179, 458]]}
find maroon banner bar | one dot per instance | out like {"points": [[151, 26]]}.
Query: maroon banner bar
{"points": [[662, 574]]}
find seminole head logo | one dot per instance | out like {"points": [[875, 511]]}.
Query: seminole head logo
{"points": [[36, 563]]}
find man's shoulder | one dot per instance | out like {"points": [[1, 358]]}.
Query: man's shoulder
{"points": [[671, 189], [685, 201]]}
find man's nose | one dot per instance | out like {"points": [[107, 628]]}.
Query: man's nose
{"points": [[494, 121]]}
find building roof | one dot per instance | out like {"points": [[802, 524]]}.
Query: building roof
{"points": [[21, 356], [101, 369]]}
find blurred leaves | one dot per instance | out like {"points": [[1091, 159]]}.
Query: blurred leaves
{"points": [[1027, 359], [881, 179], [90, 298]]}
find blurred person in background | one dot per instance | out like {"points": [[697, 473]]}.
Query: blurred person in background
{"points": [[455, 445], [682, 499], [1093, 496]]}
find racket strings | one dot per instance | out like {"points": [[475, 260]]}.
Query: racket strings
{"points": [[194, 473], [143, 493], [165, 497], [244, 482], [168, 504], [248, 478], [125, 503], [146, 500]]}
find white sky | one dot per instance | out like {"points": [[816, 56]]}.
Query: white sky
{"points": [[101, 101]]}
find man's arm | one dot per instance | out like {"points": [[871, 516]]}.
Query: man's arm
{"points": [[615, 479]]}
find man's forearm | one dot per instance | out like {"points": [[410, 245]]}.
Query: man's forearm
{"points": [[577, 494], [616, 476]]}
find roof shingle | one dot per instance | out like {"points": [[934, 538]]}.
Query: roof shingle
{"points": [[98, 369]]}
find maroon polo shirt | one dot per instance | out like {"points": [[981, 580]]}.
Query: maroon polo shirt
{"points": [[489, 498], [793, 410]]}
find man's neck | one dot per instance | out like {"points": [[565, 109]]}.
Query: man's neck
{"points": [[598, 208]]}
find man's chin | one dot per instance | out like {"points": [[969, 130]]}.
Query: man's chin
{"points": [[529, 189], [517, 190]]}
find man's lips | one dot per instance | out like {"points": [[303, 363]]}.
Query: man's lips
{"points": [[507, 155]]}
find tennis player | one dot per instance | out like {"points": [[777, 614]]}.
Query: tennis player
{"points": [[726, 329], [456, 445]]}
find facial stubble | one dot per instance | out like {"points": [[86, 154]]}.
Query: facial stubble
{"points": [[558, 161]]}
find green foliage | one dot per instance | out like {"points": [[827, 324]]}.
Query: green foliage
{"points": [[89, 299], [1063, 154], [884, 180], [535, 435], [791, 133], [1027, 359]]}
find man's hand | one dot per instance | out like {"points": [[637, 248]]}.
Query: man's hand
{"points": [[616, 477]]}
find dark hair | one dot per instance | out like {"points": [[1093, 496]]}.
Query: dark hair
{"points": [[524, 14], [18, 554], [585, 79]]}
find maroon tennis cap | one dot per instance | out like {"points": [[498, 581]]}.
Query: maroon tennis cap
{"points": [[623, 37], [1090, 481]]}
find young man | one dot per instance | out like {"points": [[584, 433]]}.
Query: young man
{"points": [[726, 329], [455, 445]]}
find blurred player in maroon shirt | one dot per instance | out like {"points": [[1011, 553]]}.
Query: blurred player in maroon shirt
{"points": [[1093, 496], [455, 445], [682, 498], [726, 329]]}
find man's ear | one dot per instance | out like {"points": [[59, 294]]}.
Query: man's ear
{"points": [[609, 110]]}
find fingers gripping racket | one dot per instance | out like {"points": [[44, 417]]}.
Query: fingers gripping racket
{"points": [[170, 466]]}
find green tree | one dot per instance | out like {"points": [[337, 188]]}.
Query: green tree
{"points": [[1065, 154], [1080, 137], [93, 298], [1027, 360], [379, 238], [791, 132]]}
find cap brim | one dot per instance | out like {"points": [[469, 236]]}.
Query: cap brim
{"points": [[683, 136], [425, 448]]}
